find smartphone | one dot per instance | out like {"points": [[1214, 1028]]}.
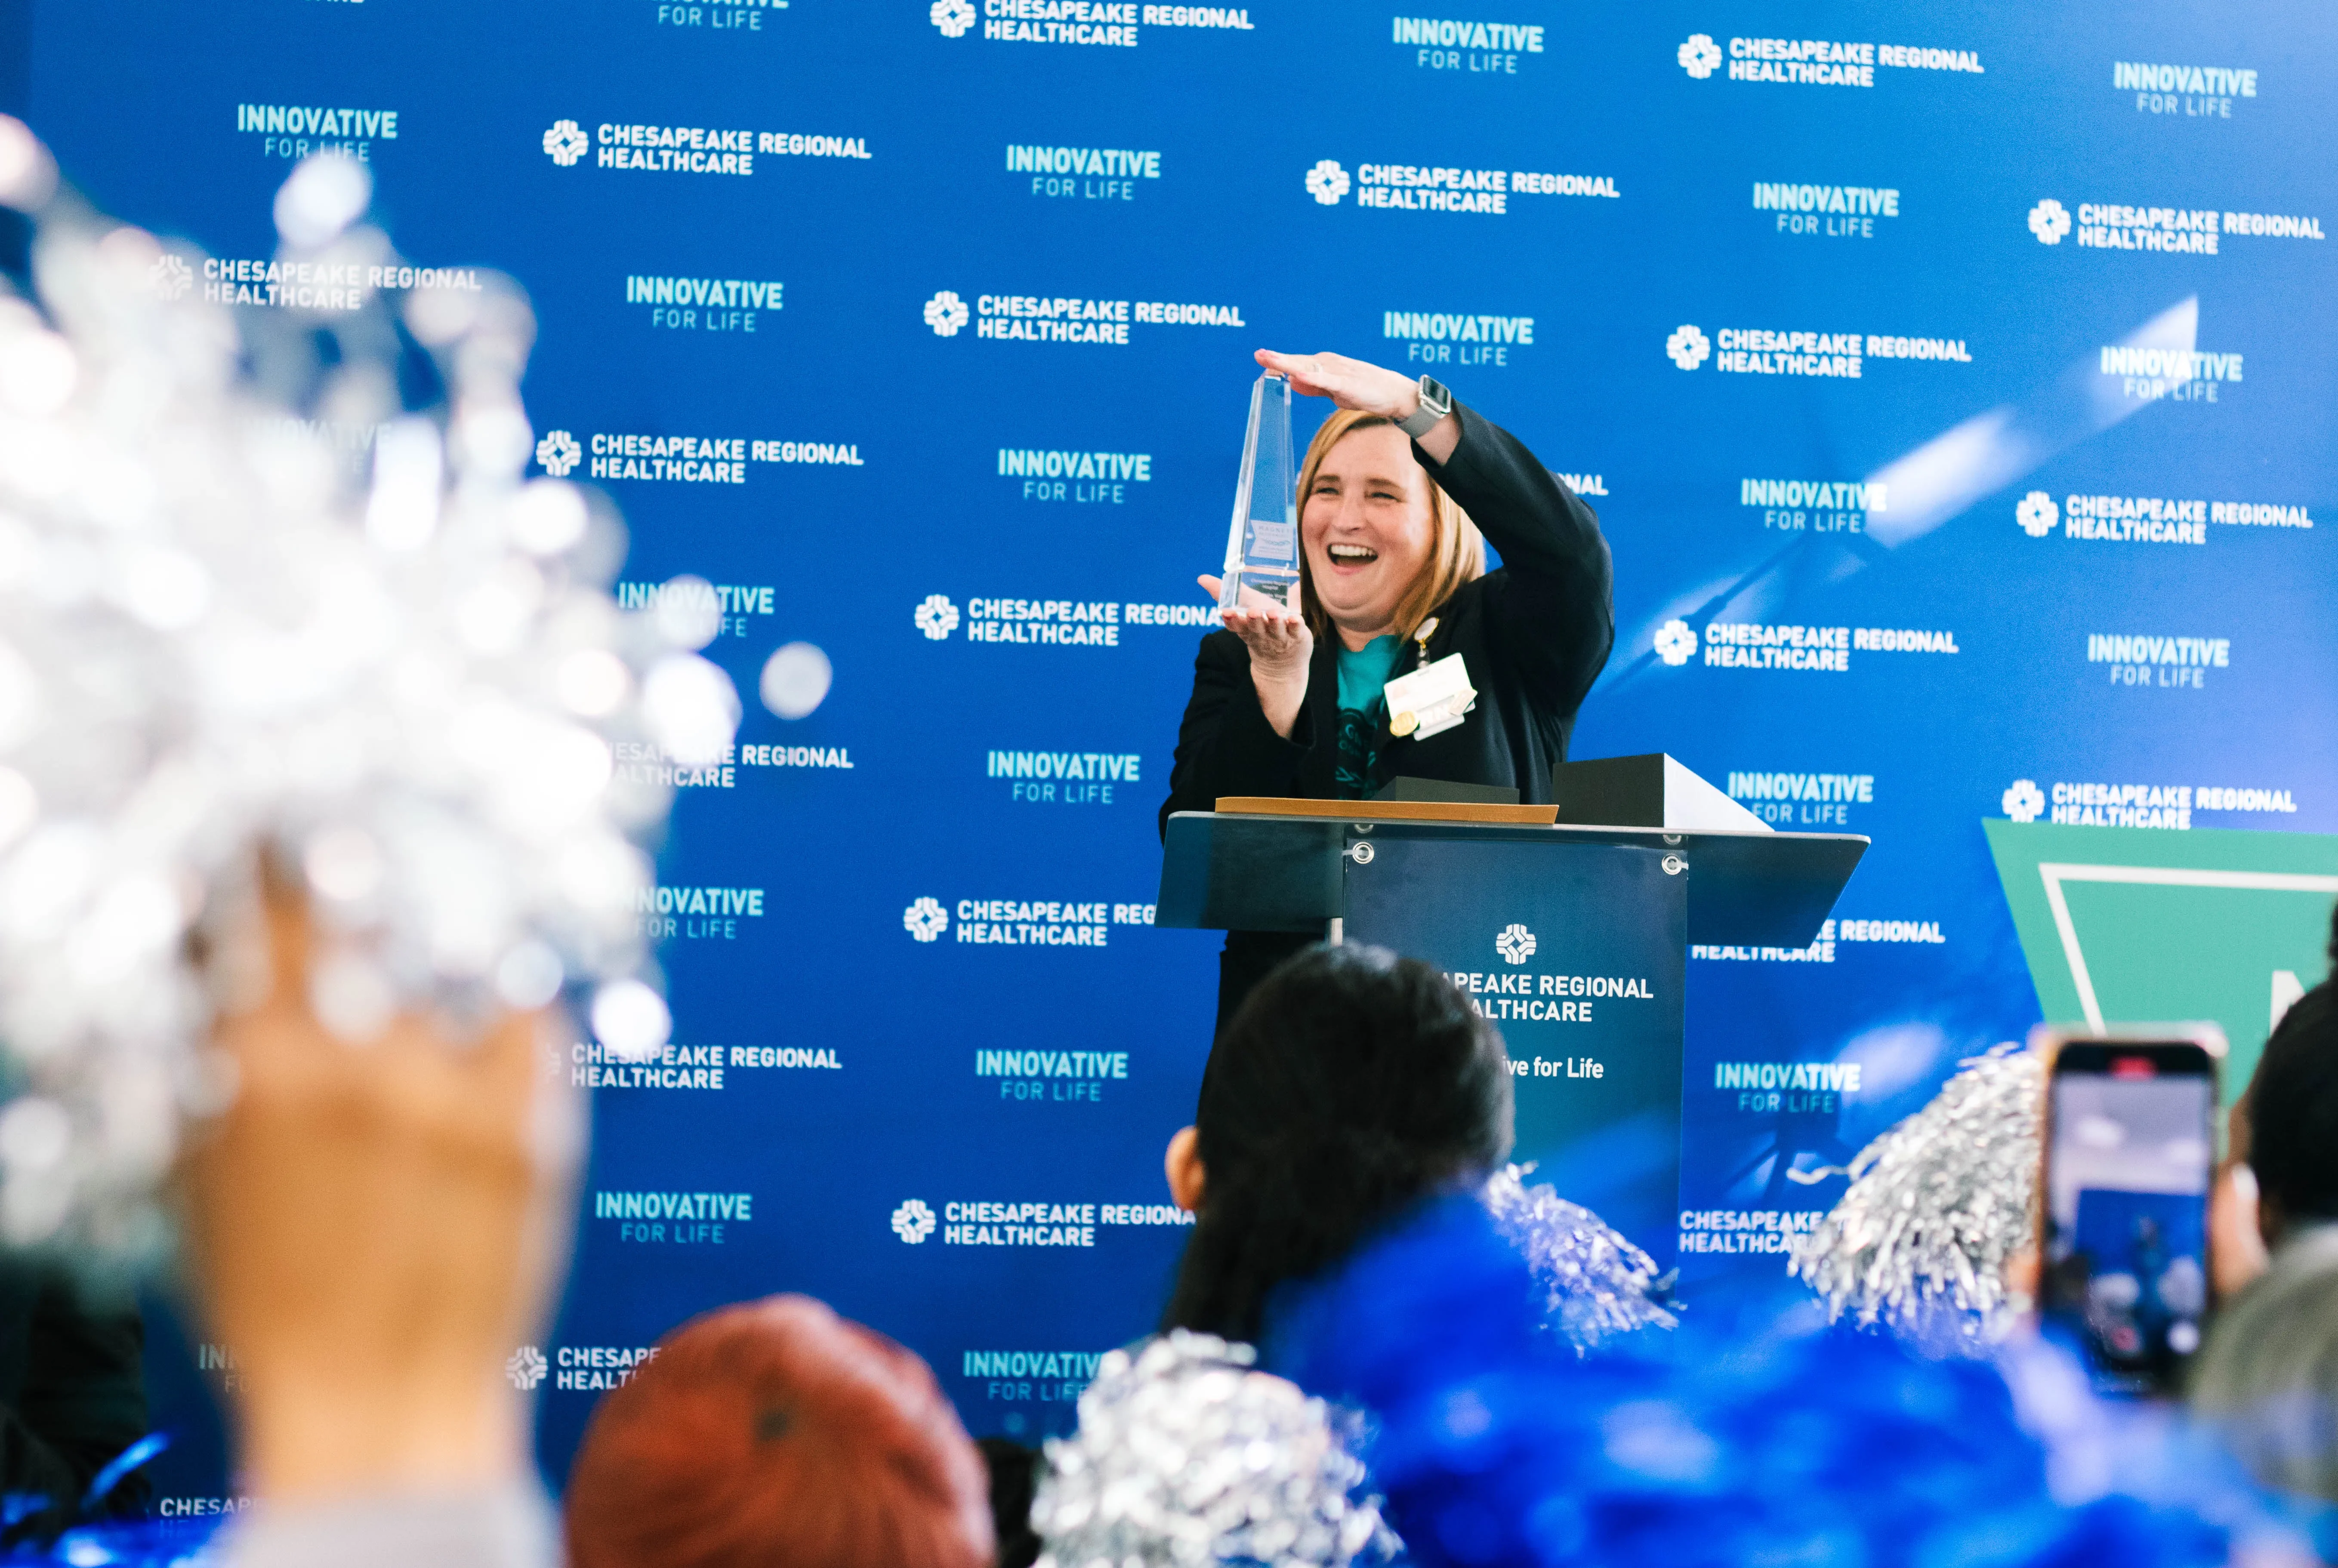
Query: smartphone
{"points": [[2129, 1153]]}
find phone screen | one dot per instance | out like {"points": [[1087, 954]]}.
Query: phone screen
{"points": [[2128, 1162]]}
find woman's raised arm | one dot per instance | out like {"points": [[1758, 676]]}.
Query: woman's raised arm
{"points": [[1368, 388], [1553, 605]]}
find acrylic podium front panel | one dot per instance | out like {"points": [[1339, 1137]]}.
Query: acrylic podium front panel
{"points": [[1576, 951]]}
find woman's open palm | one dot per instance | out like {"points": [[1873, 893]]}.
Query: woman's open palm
{"points": [[1281, 649]]}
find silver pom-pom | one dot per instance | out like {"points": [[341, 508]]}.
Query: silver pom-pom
{"points": [[224, 644], [1593, 1282], [1186, 1454], [1935, 1208]]}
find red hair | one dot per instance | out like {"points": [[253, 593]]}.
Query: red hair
{"points": [[774, 1434]]}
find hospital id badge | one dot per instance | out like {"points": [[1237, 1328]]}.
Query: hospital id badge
{"points": [[1432, 700]]}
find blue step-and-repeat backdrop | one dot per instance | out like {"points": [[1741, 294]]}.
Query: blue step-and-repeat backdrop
{"points": [[1955, 384]]}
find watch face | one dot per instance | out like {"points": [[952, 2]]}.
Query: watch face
{"points": [[1433, 394]]}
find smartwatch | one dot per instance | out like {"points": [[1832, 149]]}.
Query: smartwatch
{"points": [[1436, 403]]}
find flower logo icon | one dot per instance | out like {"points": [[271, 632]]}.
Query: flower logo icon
{"points": [[566, 142], [1675, 642], [169, 278], [945, 313], [558, 452], [525, 1367], [913, 1222], [1327, 181], [1700, 57], [925, 919], [1516, 943], [2037, 514], [2049, 221], [2023, 801], [1687, 347], [952, 16], [937, 617]]}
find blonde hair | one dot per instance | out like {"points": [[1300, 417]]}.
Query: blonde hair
{"points": [[1457, 550]]}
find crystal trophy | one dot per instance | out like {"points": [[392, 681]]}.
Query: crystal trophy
{"points": [[1262, 547]]}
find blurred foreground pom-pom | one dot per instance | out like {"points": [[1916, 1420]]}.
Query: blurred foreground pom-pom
{"points": [[631, 1019], [1186, 1454], [1936, 1207], [796, 679], [28, 175], [325, 195], [692, 708], [260, 618], [1592, 1282]]}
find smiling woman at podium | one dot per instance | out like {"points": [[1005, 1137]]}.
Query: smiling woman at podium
{"points": [[1398, 492]]}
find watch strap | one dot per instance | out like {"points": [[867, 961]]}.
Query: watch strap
{"points": [[1435, 404]]}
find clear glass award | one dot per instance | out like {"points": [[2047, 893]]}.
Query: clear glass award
{"points": [[1262, 547]]}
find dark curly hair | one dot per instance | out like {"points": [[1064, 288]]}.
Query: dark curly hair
{"points": [[1349, 1086]]}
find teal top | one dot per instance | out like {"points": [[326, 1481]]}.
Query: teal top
{"points": [[1364, 672]]}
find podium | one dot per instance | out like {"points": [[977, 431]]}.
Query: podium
{"points": [[1571, 935]]}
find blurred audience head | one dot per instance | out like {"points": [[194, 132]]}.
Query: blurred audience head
{"points": [[2268, 1379], [2291, 1122], [776, 1435], [1352, 1085]]}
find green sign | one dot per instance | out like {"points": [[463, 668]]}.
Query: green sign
{"points": [[2127, 925]]}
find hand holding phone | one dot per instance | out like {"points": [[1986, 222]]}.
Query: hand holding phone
{"points": [[2130, 1152]]}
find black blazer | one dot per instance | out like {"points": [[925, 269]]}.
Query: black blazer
{"points": [[1534, 633]]}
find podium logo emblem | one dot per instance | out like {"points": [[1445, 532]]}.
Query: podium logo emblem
{"points": [[526, 1368], [1700, 57], [1516, 943], [1327, 181], [945, 313], [566, 143], [2049, 220], [2037, 514], [1687, 347], [926, 919], [937, 617], [954, 17], [913, 1222], [2023, 801], [558, 452], [1675, 642]]}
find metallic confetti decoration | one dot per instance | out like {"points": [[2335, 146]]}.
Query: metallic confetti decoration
{"points": [[1935, 1208], [263, 615], [1592, 1282], [1187, 1454]]}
